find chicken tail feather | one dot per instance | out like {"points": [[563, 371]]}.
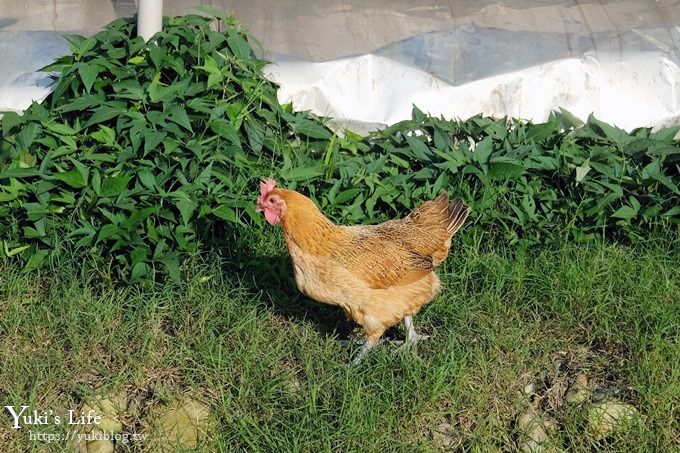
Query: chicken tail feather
{"points": [[457, 213]]}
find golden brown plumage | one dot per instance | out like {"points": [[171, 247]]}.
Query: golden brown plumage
{"points": [[379, 274]]}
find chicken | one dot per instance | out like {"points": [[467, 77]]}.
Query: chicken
{"points": [[378, 274]]}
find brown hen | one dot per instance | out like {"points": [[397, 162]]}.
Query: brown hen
{"points": [[378, 274]]}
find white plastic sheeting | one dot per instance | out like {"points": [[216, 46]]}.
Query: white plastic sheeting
{"points": [[366, 63]]}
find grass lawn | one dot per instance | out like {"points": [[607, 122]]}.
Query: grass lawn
{"points": [[511, 331]]}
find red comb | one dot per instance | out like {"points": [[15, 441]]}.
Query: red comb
{"points": [[267, 186]]}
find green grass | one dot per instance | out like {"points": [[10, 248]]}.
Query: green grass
{"points": [[267, 362]]}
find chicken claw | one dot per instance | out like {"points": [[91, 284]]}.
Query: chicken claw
{"points": [[352, 342]]}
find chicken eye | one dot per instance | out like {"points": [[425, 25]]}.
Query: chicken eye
{"points": [[271, 199]]}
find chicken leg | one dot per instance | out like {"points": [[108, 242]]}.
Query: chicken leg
{"points": [[411, 336]]}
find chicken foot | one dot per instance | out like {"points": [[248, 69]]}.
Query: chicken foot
{"points": [[365, 347], [412, 337]]}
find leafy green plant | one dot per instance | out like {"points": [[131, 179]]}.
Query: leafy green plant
{"points": [[147, 151], [142, 148], [533, 183]]}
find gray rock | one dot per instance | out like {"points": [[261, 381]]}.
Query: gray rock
{"points": [[579, 392], [111, 407], [534, 428], [100, 446], [181, 424], [443, 436], [605, 416]]}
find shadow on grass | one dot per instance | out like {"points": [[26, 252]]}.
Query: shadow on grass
{"points": [[270, 272]]}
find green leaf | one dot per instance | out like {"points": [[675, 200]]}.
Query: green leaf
{"points": [[8, 196], [147, 178], [158, 92], [15, 251], [108, 231], [179, 115], [225, 130], [239, 46], [36, 260], [653, 171], [420, 149], [88, 74], [105, 135], [104, 113], [87, 230], [184, 204], [60, 128], [215, 75], [616, 135], [73, 178], [225, 212], [346, 195], [505, 168], [497, 130], [441, 140], [27, 135], [96, 181], [311, 129], [113, 186], [139, 59], [666, 134], [139, 272], [256, 134], [625, 212], [567, 119], [152, 139], [18, 173], [82, 169], [10, 120], [483, 150], [303, 173], [172, 265], [80, 104], [674, 211]]}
